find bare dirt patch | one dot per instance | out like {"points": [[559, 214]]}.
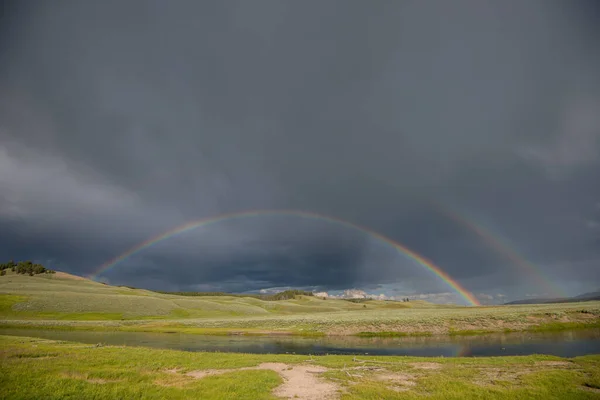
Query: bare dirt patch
{"points": [[347, 330], [86, 378], [300, 381], [426, 365], [403, 379], [490, 376], [98, 381], [587, 316], [368, 368], [397, 381], [210, 372], [590, 389], [64, 275], [554, 363]]}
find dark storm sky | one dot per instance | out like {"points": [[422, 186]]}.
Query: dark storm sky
{"points": [[122, 119]]}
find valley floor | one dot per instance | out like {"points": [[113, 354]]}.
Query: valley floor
{"points": [[62, 302], [37, 368]]}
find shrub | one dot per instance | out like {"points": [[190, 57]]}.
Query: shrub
{"points": [[24, 267]]}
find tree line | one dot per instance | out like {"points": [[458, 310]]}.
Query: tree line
{"points": [[24, 267], [285, 295], [363, 299]]}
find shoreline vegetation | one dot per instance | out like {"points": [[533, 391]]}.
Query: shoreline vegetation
{"points": [[188, 328], [66, 302], [41, 368]]}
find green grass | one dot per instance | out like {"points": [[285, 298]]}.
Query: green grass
{"points": [[7, 301], [37, 368], [57, 302], [562, 326], [89, 316]]}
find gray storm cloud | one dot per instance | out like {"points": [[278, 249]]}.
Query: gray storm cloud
{"points": [[121, 120]]}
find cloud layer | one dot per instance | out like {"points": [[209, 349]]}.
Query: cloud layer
{"points": [[119, 121]]}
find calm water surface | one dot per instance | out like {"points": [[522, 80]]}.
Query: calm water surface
{"points": [[564, 344]]}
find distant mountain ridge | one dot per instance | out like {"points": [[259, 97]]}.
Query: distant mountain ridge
{"points": [[590, 296]]}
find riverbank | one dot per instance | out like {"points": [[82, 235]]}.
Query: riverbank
{"points": [[37, 368], [376, 323]]}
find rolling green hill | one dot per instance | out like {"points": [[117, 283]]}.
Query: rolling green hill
{"points": [[63, 301], [64, 296]]}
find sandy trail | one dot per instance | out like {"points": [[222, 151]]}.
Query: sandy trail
{"points": [[300, 381]]}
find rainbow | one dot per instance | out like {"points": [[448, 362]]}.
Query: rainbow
{"points": [[419, 259], [504, 249], [464, 350]]}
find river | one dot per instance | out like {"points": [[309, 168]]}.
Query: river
{"points": [[564, 344]]}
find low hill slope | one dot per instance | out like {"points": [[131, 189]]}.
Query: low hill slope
{"points": [[64, 302], [591, 296], [65, 296]]}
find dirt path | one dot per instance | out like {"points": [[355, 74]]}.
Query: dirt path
{"points": [[300, 381]]}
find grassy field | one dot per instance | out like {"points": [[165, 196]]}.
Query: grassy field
{"points": [[64, 302], [36, 368]]}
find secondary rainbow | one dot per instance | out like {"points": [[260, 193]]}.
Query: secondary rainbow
{"points": [[504, 249], [419, 259]]}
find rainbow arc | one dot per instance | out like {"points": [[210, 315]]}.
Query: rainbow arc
{"points": [[414, 256]]}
